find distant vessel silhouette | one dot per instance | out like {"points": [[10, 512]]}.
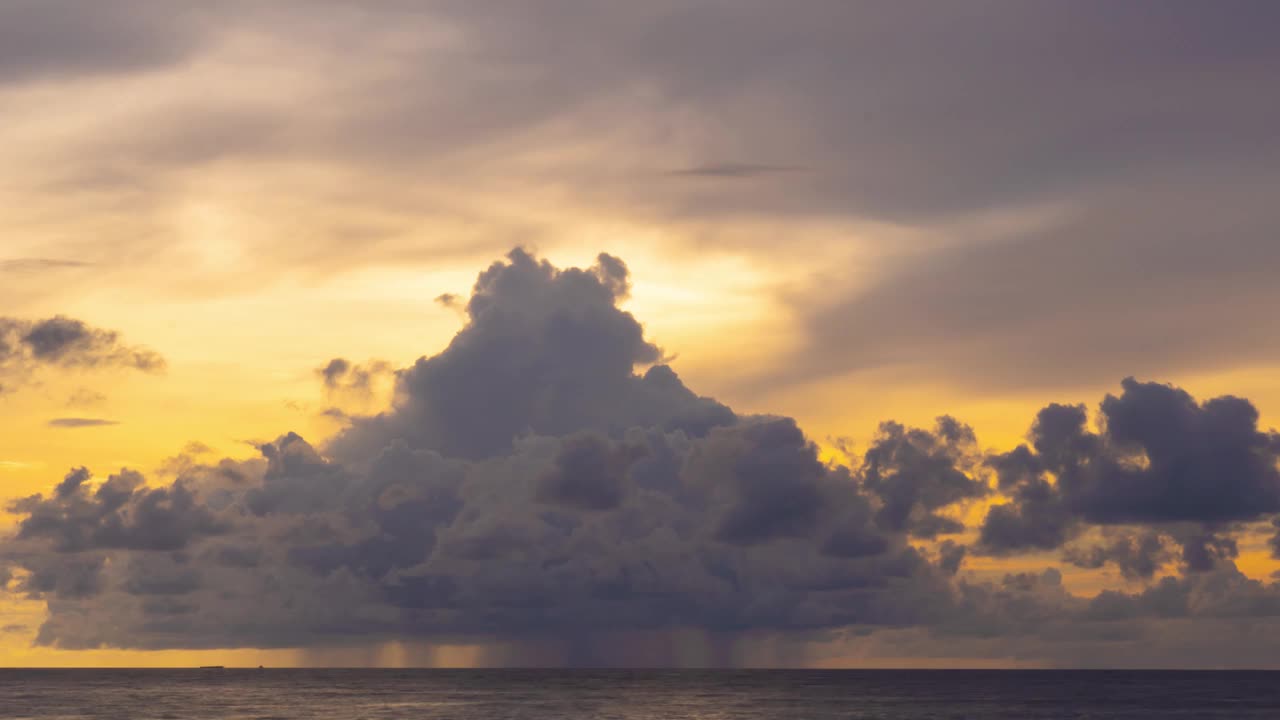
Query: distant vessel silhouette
{"points": [[211, 667]]}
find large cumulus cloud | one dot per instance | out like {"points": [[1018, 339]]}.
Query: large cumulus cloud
{"points": [[545, 473], [547, 476]]}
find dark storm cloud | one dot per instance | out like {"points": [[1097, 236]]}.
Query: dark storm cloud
{"points": [[526, 482], [603, 496]]}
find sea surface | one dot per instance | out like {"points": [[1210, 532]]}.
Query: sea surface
{"points": [[707, 695]]}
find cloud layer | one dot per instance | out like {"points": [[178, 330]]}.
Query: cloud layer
{"points": [[1025, 160], [547, 478]]}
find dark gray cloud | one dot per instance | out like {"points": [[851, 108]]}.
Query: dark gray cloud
{"points": [[1204, 551], [604, 497], [118, 514], [1274, 542], [1136, 555], [79, 422], [1160, 459], [1160, 456], [589, 472], [951, 556], [26, 346], [915, 473]]}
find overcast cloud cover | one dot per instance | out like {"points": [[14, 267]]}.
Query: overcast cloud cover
{"points": [[1062, 190]]}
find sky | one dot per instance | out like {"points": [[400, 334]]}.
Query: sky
{"points": [[671, 333]]}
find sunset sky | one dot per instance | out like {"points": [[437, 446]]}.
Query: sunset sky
{"points": [[545, 333]]}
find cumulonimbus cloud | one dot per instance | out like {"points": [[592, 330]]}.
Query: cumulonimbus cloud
{"points": [[546, 475]]}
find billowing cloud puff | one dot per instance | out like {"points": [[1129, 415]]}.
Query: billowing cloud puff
{"points": [[1160, 459], [546, 475], [916, 473], [63, 342], [544, 351]]}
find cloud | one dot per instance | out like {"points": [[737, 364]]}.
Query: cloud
{"points": [[545, 351], [1161, 459], [589, 472], [77, 422], [119, 514], [85, 398], [341, 377], [36, 265], [57, 39], [1048, 118], [65, 341], [915, 473], [60, 342], [542, 475], [1114, 278], [733, 170], [546, 479], [1136, 555]]}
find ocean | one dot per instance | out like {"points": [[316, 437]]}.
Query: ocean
{"points": [[629, 695]]}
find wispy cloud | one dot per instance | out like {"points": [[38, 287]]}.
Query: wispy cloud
{"points": [[76, 422], [32, 265], [734, 170], [15, 465]]}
